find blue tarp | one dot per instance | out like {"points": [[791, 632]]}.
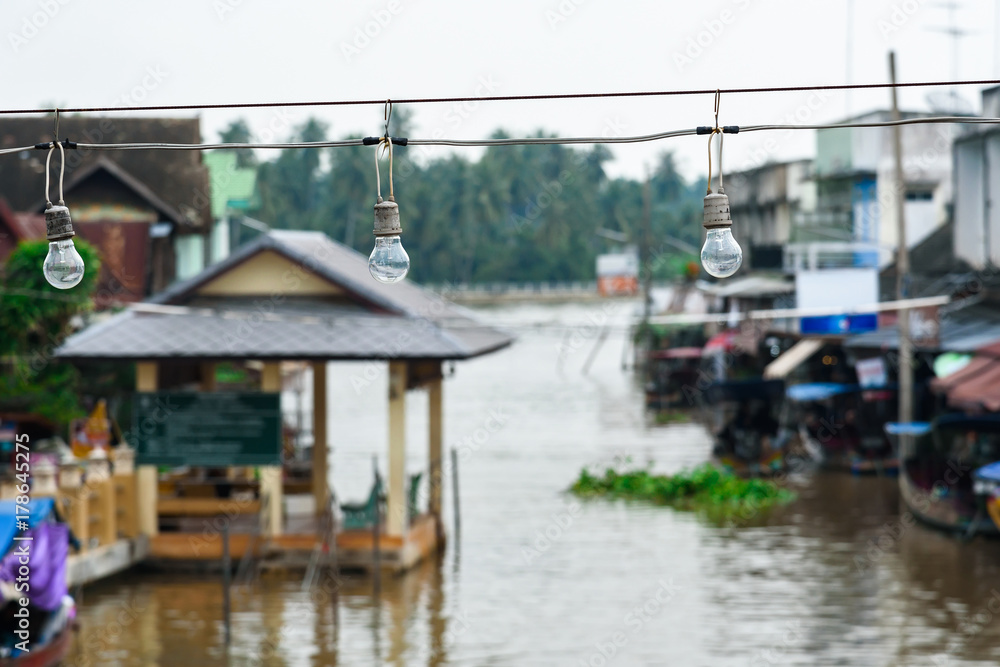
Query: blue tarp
{"points": [[39, 509], [817, 391], [989, 472], [907, 428]]}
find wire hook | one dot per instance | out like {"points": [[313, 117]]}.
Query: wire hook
{"points": [[56, 137], [718, 98], [388, 116]]}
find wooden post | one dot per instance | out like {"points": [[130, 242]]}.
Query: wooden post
{"points": [[320, 485], [147, 484], [436, 433], [227, 566], [270, 476], [902, 265], [456, 509], [395, 520]]}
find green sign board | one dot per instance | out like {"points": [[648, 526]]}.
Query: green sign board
{"points": [[207, 429]]}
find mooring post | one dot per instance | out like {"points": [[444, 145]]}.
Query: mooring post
{"points": [[376, 534], [454, 485], [226, 572]]}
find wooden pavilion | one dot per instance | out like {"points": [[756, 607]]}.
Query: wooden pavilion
{"points": [[287, 297]]}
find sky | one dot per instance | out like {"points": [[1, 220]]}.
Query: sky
{"points": [[127, 53]]}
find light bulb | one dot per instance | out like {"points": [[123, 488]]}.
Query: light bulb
{"points": [[63, 266], [721, 255], [388, 262]]}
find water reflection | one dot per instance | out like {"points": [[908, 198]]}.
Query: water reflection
{"points": [[836, 578]]}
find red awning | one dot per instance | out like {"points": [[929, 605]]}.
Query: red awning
{"points": [[721, 342], [977, 386], [678, 353]]}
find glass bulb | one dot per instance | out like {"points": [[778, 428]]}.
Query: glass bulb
{"points": [[388, 263], [721, 255], [63, 266]]}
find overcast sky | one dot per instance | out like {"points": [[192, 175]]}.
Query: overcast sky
{"points": [[118, 52]]}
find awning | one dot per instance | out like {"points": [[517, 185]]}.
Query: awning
{"points": [[720, 342], [792, 358], [977, 386]]}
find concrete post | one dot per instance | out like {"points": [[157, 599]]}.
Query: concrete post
{"points": [[147, 380]]}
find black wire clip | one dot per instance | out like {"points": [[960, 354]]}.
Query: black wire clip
{"points": [[66, 143], [374, 141]]}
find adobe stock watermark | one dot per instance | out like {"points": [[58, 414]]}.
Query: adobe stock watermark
{"points": [[32, 24], [365, 34], [544, 538], [634, 621], [772, 656], [711, 31], [899, 16], [562, 12]]}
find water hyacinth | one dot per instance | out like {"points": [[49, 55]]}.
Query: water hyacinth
{"points": [[705, 487]]}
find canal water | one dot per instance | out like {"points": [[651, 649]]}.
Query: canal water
{"points": [[536, 578]]}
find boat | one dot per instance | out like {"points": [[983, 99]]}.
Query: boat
{"points": [[986, 486], [945, 475], [840, 425], [670, 372], [36, 528], [749, 440]]}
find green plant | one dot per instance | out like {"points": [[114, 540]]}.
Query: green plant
{"points": [[34, 320], [703, 488]]}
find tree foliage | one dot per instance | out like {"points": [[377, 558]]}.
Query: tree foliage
{"points": [[517, 213], [34, 320]]}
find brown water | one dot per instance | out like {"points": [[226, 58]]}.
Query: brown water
{"points": [[832, 579]]}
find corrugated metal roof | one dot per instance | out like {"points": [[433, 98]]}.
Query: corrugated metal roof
{"points": [[402, 321], [963, 330]]}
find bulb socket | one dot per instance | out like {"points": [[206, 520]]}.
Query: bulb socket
{"points": [[58, 223], [387, 218], [717, 211]]}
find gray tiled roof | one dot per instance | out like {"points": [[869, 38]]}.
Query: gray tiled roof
{"points": [[400, 321]]}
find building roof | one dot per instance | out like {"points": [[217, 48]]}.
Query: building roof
{"points": [[751, 286], [961, 330], [23, 226], [178, 178], [365, 320]]}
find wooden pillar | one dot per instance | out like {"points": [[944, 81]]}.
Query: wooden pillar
{"points": [[396, 504], [434, 448], [319, 456], [147, 483], [270, 476], [207, 374]]}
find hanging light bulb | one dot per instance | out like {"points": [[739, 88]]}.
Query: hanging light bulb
{"points": [[388, 262], [721, 255], [63, 267]]}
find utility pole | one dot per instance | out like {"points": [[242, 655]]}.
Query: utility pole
{"points": [[902, 263]]}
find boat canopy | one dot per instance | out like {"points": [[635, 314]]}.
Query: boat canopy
{"points": [[907, 428], [745, 390], [678, 353], [989, 472], [818, 391], [36, 511]]}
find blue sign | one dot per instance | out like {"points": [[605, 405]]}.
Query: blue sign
{"points": [[839, 324]]}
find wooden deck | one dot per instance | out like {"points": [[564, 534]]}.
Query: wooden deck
{"points": [[354, 547]]}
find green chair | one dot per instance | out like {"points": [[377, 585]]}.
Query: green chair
{"points": [[413, 496], [358, 516]]}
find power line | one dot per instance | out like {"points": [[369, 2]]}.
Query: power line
{"points": [[509, 98]]}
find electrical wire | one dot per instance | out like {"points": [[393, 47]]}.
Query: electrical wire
{"points": [[512, 98], [529, 141]]}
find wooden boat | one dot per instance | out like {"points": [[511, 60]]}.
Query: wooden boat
{"points": [[938, 462], [750, 442], [986, 486], [50, 655], [670, 372], [840, 425], [52, 612]]}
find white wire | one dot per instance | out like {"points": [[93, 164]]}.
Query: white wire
{"points": [[529, 141], [378, 176], [62, 172], [48, 161]]}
